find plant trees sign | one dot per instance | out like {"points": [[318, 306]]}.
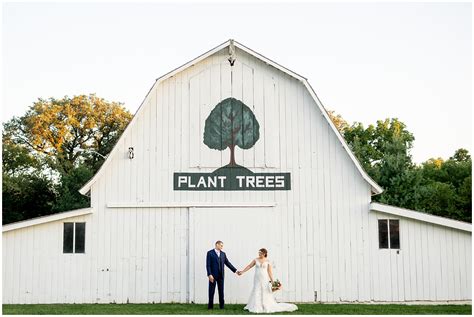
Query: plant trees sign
{"points": [[231, 123]]}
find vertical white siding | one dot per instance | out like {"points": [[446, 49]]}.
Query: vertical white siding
{"points": [[327, 240], [429, 265]]}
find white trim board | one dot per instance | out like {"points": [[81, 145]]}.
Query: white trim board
{"points": [[375, 188], [45, 219], [421, 216], [190, 204]]}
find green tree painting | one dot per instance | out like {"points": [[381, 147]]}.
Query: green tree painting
{"points": [[231, 123]]}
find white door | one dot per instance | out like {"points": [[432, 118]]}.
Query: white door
{"points": [[244, 231]]}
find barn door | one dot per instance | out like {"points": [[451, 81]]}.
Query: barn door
{"points": [[243, 231]]}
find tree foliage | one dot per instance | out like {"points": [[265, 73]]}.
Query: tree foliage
{"points": [[439, 187], [52, 149], [56, 128], [231, 123]]}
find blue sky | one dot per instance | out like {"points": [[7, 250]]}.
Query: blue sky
{"points": [[365, 61]]}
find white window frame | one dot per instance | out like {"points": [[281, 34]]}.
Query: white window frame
{"points": [[74, 237], [388, 233]]}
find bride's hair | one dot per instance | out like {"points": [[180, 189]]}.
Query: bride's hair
{"points": [[264, 251]]}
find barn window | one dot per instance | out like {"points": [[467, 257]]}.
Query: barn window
{"points": [[389, 234], [74, 235]]}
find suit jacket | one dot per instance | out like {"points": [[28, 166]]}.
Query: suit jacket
{"points": [[215, 264]]}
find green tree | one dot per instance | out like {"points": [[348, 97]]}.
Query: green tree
{"points": [[68, 197], [397, 174], [455, 198], [231, 123], [461, 155], [56, 129], [464, 201], [26, 193], [373, 144], [26, 196], [439, 199], [441, 187], [56, 142]]}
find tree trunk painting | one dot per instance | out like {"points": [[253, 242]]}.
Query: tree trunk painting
{"points": [[231, 123]]}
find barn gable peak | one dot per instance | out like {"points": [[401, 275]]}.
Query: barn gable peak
{"points": [[231, 45]]}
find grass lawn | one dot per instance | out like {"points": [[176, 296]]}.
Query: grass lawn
{"points": [[231, 309]]}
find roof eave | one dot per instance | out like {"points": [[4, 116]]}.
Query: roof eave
{"points": [[420, 216], [47, 218]]}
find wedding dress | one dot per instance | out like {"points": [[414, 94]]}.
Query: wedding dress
{"points": [[261, 298]]}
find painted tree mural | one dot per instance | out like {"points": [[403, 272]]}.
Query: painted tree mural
{"points": [[231, 123]]}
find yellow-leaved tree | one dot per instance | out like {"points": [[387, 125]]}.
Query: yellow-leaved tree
{"points": [[69, 139], [68, 129]]}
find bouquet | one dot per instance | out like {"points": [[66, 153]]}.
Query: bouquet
{"points": [[276, 285]]}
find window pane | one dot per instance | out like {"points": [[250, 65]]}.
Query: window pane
{"points": [[67, 237], [394, 234], [80, 237], [383, 234]]}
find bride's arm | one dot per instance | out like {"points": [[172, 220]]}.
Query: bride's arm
{"points": [[248, 267], [270, 273]]}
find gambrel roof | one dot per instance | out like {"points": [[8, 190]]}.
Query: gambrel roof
{"points": [[375, 188]]}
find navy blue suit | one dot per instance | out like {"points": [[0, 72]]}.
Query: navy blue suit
{"points": [[215, 267]]}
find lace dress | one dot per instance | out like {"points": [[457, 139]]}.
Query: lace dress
{"points": [[261, 299]]}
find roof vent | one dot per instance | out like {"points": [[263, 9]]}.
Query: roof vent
{"points": [[231, 58]]}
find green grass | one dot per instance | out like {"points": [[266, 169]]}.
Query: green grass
{"points": [[231, 309]]}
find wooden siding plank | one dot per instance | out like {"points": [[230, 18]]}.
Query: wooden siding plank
{"points": [[450, 264], [374, 256], [16, 274], [194, 120], [8, 256], [185, 123], [309, 213], [215, 156], [248, 99], [271, 113], [332, 218], [158, 272], [462, 267], [456, 266], [237, 77], [405, 252], [204, 107], [226, 92], [259, 112], [468, 269], [444, 264]]}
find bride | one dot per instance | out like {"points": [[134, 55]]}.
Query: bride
{"points": [[261, 299]]}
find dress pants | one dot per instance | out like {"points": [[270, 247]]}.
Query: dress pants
{"points": [[220, 289]]}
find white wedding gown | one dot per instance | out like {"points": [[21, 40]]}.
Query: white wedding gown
{"points": [[261, 299]]}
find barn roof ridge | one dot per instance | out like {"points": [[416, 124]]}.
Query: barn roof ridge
{"points": [[375, 188]]}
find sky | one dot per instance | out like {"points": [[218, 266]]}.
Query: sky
{"points": [[365, 61]]}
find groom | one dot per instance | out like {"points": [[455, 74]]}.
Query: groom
{"points": [[215, 260]]}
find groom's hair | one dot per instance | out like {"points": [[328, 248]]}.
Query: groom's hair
{"points": [[219, 242]]}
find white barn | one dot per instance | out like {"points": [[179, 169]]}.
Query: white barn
{"points": [[306, 199]]}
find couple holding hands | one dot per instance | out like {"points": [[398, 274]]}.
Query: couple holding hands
{"points": [[261, 298]]}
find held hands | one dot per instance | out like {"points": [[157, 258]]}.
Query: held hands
{"points": [[239, 273]]}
